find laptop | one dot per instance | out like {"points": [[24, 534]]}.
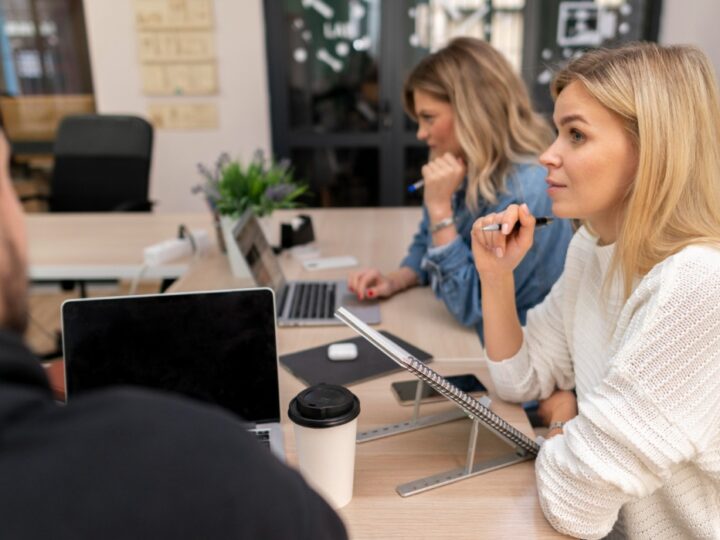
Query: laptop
{"points": [[217, 347], [300, 303]]}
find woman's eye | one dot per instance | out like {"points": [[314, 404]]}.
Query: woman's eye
{"points": [[576, 136]]}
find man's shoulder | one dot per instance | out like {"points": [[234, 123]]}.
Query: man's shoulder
{"points": [[192, 468]]}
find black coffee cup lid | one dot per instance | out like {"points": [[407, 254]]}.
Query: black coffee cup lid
{"points": [[324, 405]]}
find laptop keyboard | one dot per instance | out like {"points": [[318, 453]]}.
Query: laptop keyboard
{"points": [[313, 300], [263, 436]]}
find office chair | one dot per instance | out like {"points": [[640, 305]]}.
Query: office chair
{"points": [[102, 164]]}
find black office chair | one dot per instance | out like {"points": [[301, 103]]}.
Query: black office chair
{"points": [[102, 164]]}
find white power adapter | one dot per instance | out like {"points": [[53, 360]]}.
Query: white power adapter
{"points": [[175, 248]]}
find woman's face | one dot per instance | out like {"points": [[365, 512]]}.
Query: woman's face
{"points": [[591, 164], [436, 125]]}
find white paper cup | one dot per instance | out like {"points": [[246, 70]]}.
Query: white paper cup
{"points": [[325, 421]]}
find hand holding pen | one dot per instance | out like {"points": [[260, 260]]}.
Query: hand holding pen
{"points": [[500, 241], [441, 178]]}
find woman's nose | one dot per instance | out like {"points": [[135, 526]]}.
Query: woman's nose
{"points": [[550, 157]]}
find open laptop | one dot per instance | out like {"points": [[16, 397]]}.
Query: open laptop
{"points": [[217, 347], [300, 303]]}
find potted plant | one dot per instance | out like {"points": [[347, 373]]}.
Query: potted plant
{"points": [[262, 186]]}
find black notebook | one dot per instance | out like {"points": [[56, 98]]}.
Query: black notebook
{"points": [[313, 365]]}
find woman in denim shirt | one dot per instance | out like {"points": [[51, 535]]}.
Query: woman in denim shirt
{"points": [[475, 115]]}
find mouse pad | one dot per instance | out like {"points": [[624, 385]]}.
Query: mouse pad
{"points": [[312, 366]]}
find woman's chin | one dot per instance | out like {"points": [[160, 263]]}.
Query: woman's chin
{"points": [[562, 211]]}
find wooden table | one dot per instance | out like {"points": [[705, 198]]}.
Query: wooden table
{"points": [[499, 504], [103, 246]]}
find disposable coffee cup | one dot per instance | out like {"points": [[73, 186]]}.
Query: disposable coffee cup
{"points": [[325, 419]]}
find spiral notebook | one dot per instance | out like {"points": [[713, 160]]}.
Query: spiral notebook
{"points": [[471, 406]]}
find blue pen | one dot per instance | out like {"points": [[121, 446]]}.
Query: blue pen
{"points": [[412, 188]]}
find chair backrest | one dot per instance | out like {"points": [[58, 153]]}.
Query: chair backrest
{"points": [[102, 164]]}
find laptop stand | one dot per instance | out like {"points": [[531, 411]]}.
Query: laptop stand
{"points": [[448, 477]]}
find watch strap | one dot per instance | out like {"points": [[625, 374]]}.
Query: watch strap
{"points": [[440, 225]]}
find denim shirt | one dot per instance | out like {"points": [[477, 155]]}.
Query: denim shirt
{"points": [[450, 269]]}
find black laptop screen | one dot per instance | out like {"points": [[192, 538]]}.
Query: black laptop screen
{"points": [[217, 347]]}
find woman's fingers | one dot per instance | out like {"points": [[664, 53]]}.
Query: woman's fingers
{"points": [[527, 227], [486, 239], [368, 279]]}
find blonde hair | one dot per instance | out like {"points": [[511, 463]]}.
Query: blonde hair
{"points": [[494, 121], [668, 100]]}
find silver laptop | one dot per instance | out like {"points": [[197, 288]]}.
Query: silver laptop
{"points": [[300, 303], [217, 347]]}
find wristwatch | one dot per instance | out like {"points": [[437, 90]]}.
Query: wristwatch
{"points": [[442, 224], [555, 425]]}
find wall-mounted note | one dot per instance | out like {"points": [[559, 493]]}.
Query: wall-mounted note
{"points": [[195, 79], [183, 115], [173, 14], [176, 46]]}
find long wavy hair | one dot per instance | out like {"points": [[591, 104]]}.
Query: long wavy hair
{"points": [[668, 100], [494, 121]]}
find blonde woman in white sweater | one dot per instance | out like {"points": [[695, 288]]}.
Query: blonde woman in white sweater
{"points": [[633, 324]]}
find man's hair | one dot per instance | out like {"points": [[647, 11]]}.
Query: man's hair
{"points": [[494, 120], [667, 98]]}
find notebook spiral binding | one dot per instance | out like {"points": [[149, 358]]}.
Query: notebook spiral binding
{"points": [[472, 406]]}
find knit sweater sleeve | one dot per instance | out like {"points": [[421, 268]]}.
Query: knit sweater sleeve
{"points": [[657, 408], [544, 361]]}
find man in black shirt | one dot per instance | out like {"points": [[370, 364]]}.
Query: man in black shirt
{"points": [[128, 463]]}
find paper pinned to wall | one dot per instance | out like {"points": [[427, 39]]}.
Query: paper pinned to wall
{"points": [[180, 79], [176, 46], [184, 115], [173, 14]]}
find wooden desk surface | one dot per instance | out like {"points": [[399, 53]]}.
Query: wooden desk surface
{"points": [[499, 504], [107, 245]]}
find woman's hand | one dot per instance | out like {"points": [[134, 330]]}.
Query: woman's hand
{"points": [[498, 253], [371, 283], [561, 406], [443, 175]]}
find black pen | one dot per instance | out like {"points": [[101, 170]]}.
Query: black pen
{"points": [[539, 222]]}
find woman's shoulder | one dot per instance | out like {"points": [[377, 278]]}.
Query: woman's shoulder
{"points": [[694, 271], [695, 264]]}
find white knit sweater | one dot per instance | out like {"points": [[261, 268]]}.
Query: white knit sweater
{"points": [[642, 458]]}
